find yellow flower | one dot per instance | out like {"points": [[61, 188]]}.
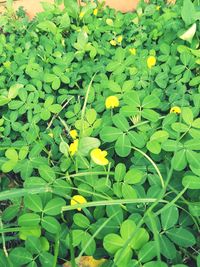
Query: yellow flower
{"points": [[158, 7], [99, 156], [73, 148], [95, 12], [109, 22], [7, 64], [176, 110], [119, 39], [50, 134], [90, 261], [73, 134], [81, 15], [77, 199], [113, 42], [132, 51], [151, 61], [112, 102]]}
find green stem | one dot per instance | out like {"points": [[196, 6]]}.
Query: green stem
{"points": [[56, 250]]}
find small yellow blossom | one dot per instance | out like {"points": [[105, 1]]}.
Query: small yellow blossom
{"points": [[132, 51], [151, 61], [119, 39], [7, 64], [95, 12], [77, 199], [73, 134], [158, 7], [176, 110], [81, 15], [112, 102], [50, 134], [90, 261], [73, 148], [99, 156], [109, 22], [113, 42]]}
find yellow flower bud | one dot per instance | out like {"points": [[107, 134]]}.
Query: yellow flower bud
{"points": [[99, 156], [151, 61], [112, 102], [113, 42], [77, 199], [81, 15], [73, 148], [176, 110], [119, 39], [95, 12], [73, 134], [132, 51]]}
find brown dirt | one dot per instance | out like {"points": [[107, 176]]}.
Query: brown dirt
{"points": [[34, 6]]}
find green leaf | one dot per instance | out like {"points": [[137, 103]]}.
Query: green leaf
{"points": [[110, 134], [50, 224], [128, 192], [11, 154], [121, 122], [120, 171], [181, 237], [65, 21], [179, 160], [47, 173], [187, 115], [14, 89], [139, 239], [179, 127], [193, 158], [160, 136], [55, 108], [33, 245], [154, 147], [150, 115], [112, 243], [54, 206], [47, 26], [188, 13], [127, 228], [114, 87], [123, 146], [193, 144], [3, 100], [20, 256], [162, 80], [89, 248], [195, 81], [123, 256], [91, 115], [147, 252], [136, 139], [81, 220], [64, 148], [171, 145], [8, 166], [169, 217], [132, 99], [86, 144], [167, 248], [191, 182], [133, 176], [155, 264], [29, 219], [33, 202], [150, 101]]}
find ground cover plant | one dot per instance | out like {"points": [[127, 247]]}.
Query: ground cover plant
{"points": [[100, 136]]}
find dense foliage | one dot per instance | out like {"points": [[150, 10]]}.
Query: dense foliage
{"points": [[85, 101]]}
